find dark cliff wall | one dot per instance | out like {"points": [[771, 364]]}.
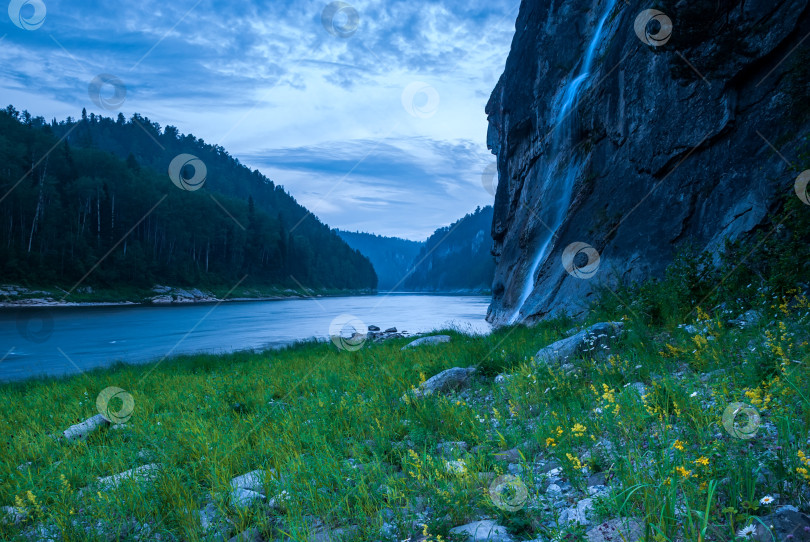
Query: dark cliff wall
{"points": [[663, 143]]}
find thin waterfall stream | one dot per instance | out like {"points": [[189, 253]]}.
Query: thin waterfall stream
{"points": [[565, 185]]}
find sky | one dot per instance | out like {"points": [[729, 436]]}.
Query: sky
{"points": [[370, 113]]}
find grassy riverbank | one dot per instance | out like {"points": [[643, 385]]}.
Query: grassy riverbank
{"points": [[695, 424], [338, 446]]}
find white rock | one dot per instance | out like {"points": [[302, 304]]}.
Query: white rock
{"points": [[578, 513], [433, 339], [244, 498], [144, 473], [482, 531], [80, 431], [253, 480]]}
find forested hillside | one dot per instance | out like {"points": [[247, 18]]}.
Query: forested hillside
{"points": [[456, 257], [391, 257], [92, 197]]}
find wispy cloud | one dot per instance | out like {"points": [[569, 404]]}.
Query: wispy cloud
{"points": [[268, 82]]}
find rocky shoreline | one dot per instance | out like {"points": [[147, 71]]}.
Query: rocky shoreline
{"points": [[13, 296]]}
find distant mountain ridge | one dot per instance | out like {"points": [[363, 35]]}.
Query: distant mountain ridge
{"points": [[454, 259], [391, 257]]}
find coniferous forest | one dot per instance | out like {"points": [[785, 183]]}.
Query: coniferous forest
{"points": [[92, 197]]}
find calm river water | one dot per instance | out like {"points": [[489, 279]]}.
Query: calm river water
{"points": [[59, 341]]}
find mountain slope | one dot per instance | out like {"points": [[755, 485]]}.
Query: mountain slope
{"points": [[391, 256], [83, 213], [615, 149], [456, 257]]}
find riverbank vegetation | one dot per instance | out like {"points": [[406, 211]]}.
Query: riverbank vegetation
{"points": [[691, 424]]}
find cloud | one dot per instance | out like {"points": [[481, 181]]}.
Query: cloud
{"points": [[269, 83]]}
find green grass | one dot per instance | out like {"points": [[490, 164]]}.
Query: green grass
{"points": [[341, 442], [307, 410]]}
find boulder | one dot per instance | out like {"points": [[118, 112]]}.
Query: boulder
{"points": [[588, 342], [747, 319], [373, 328], [245, 498], [144, 473], [448, 380], [80, 431], [785, 522], [433, 339], [450, 447], [253, 480], [249, 535], [624, 529], [578, 513], [482, 531]]}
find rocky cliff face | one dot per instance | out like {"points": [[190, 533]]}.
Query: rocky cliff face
{"points": [[621, 133]]}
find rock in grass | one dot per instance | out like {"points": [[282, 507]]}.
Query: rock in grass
{"points": [[482, 531], [624, 529], [448, 380], [253, 480], [144, 473], [249, 535], [433, 339], [588, 342], [245, 498], [11, 515], [80, 431], [578, 513], [784, 522]]}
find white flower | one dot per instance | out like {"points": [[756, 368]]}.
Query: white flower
{"points": [[693, 394], [747, 532], [767, 499]]}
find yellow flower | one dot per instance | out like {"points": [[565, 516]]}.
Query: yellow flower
{"points": [[678, 445], [683, 472], [550, 442], [578, 430], [575, 462], [701, 461]]}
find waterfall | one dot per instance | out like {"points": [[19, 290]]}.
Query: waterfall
{"points": [[564, 186]]}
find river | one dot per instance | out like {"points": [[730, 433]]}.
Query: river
{"points": [[68, 340]]}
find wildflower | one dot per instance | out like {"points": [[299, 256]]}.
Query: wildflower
{"points": [[678, 445], [767, 499], [683, 472], [550, 443], [575, 462], [578, 430], [747, 532], [701, 461]]}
